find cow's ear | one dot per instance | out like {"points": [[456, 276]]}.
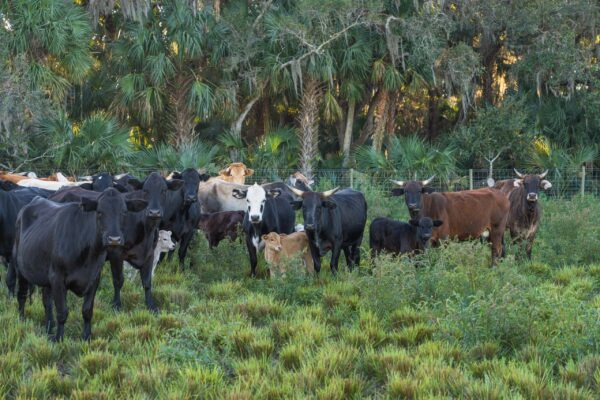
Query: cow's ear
{"points": [[239, 194], [136, 205], [437, 222], [174, 184], [517, 183], [546, 184], [264, 237], [120, 187], [88, 204], [204, 177], [136, 184], [329, 204], [176, 175], [226, 171], [427, 189], [397, 192], [249, 172], [414, 222], [86, 186], [274, 193], [296, 204]]}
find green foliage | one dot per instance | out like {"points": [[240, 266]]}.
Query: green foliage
{"points": [[165, 157]]}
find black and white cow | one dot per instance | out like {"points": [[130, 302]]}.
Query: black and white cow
{"points": [[62, 247], [333, 220], [266, 211]]}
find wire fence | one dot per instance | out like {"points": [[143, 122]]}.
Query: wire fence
{"points": [[565, 182]]}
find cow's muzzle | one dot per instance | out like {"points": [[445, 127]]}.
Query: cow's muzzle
{"points": [[154, 213], [309, 227], [532, 196], [255, 219], [114, 241], [189, 199]]}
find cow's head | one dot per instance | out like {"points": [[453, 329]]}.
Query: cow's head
{"points": [[425, 227], [256, 198], [111, 210], [237, 171], [412, 191], [101, 181], [191, 180], [165, 243], [155, 191], [273, 241], [532, 184], [312, 204], [299, 181]]}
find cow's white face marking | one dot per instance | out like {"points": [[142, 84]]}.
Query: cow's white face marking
{"points": [[256, 198]]}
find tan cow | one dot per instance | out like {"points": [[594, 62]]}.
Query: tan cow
{"points": [[16, 178], [235, 173], [286, 246]]}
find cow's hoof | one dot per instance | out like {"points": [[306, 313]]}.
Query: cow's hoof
{"points": [[117, 306], [153, 309], [56, 339]]}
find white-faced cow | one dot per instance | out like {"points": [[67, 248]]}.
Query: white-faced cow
{"points": [[467, 214], [398, 237], [333, 220], [63, 247], [525, 211], [266, 211]]}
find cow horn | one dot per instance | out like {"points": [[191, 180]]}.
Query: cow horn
{"points": [[520, 175], [297, 192], [543, 174], [330, 192], [428, 181], [399, 183]]}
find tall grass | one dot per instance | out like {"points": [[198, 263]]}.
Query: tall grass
{"points": [[440, 325]]}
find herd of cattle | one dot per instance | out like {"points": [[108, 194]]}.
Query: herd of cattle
{"points": [[57, 232]]}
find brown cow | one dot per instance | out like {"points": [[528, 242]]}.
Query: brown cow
{"points": [[525, 211], [286, 246], [467, 215], [217, 226], [16, 178], [235, 173]]}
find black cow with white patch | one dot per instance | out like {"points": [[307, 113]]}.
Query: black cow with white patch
{"points": [[62, 247], [333, 220], [266, 211], [398, 237]]}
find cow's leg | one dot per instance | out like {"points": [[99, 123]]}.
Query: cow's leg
{"points": [[183, 248], [22, 294], [116, 268], [59, 293], [252, 253], [146, 275], [348, 255], [316, 256], [11, 276], [47, 300], [529, 246], [335, 256], [496, 235], [356, 254], [87, 310]]}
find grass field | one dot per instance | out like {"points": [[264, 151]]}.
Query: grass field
{"points": [[442, 325]]}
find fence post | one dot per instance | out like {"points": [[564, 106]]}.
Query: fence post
{"points": [[582, 180], [470, 179], [352, 178]]}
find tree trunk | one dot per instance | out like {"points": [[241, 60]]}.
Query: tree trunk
{"points": [[434, 114], [348, 132], [183, 117], [390, 126], [308, 119], [367, 130], [380, 120], [489, 52]]}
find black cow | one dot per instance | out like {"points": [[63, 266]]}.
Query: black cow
{"points": [[100, 182], [140, 232], [128, 182], [267, 211], [333, 220], [182, 211], [63, 247], [8, 185], [10, 204], [401, 237], [217, 226]]}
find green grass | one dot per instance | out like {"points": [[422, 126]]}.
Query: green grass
{"points": [[441, 325]]}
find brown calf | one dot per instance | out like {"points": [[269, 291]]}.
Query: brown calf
{"points": [[286, 246], [217, 226]]}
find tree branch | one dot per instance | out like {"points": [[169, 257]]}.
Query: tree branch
{"points": [[265, 7], [237, 125]]}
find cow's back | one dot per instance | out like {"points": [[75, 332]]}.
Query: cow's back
{"points": [[466, 214]]}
